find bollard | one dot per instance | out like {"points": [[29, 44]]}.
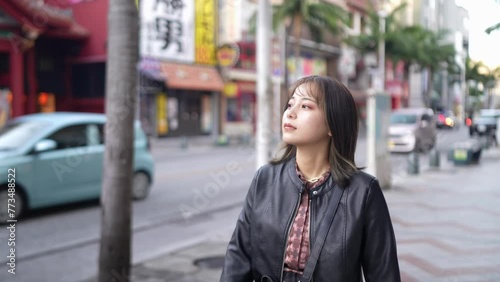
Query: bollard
{"points": [[413, 164], [184, 142], [434, 158], [222, 140]]}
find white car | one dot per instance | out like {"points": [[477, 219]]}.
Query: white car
{"points": [[412, 129]]}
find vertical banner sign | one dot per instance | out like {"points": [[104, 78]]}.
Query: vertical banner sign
{"points": [[4, 107], [167, 29], [161, 114], [205, 31]]}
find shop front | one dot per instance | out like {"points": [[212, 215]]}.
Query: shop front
{"points": [[185, 103], [32, 57], [239, 108]]}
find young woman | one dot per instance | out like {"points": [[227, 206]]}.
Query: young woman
{"points": [[276, 229]]}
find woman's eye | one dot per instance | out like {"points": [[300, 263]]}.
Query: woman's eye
{"points": [[305, 107], [288, 105]]}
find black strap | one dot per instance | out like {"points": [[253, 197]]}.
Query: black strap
{"points": [[326, 222]]}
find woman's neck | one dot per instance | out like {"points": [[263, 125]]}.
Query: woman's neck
{"points": [[312, 162]]}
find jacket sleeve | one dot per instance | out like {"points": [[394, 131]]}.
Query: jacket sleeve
{"points": [[379, 257], [238, 262]]}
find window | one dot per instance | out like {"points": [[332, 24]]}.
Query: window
{"points": [[232, 109], [351, 19], [95, 134], [88, 80], [403, 119], [16, 134], [100, 128], [70, 137], [362, 28], [247, 55]]}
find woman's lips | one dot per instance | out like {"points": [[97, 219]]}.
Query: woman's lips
{"points": [[288, 126]]}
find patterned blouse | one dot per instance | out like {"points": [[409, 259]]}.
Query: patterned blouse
{"points": [[297, 250]]}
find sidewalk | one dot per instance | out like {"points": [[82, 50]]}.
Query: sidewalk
{"points": [[445, 220]]}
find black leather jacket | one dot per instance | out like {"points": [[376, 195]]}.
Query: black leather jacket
{"points": [[361, 235]]}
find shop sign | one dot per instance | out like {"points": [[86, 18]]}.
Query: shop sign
{"points": [[205, 32], [167, 29], [228, 55], [161, 114], [230, 90]]}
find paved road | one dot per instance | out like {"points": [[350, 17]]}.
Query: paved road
{"points": [[445, 221], [62, 244]]}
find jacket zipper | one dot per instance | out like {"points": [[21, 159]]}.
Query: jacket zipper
{"points": [[310, 226], [288, 233]]}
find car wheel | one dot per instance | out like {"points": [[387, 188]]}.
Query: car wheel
{"points": [[18, 205], [141, 186]]}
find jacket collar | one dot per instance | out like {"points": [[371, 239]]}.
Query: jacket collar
{"points": [[292, 173]]}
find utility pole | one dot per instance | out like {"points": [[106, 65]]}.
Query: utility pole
{"points": [[264, 99], [378, 86], [378, 113]]}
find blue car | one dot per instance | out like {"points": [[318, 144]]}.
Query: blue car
{"points": [[57, 158]]}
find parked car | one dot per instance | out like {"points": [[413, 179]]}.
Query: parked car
{"points": [[57, 158], [412, 129], [483, 125]]}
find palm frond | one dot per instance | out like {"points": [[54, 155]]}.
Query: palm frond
{"points": [[492, 28]]}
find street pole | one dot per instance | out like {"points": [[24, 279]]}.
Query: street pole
{"points": [[264, 132], [381, 51], [378, 112], [377, 89]]}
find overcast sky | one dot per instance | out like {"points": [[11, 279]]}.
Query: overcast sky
{"points": [[482, 14]]}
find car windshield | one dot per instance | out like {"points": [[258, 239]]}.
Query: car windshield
{"points": [[15, 134], [403, 119], [485, 120]]}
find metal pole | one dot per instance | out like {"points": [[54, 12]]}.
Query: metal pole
{"points": [[371, 132], [381, 51], [378, 88], [263, 83]]}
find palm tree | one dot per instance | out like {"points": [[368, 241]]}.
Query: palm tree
{"points": [[316, 16], [412, 45], [477, 73], [114, 255], [431, 52], [493, 27], [398, 46], [368, 42]]}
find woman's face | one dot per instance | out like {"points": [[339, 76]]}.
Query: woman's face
{"points": [[304, 121]]}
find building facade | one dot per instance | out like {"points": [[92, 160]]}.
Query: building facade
{"points": [[36, 44], [180, 85]]}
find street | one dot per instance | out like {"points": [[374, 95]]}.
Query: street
{"points": [[61, 244]]}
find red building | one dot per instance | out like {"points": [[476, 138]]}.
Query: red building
{"points": [[52, 55]]}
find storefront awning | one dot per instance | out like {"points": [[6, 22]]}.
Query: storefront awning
{"points": [[192, 77], [151, 69]]}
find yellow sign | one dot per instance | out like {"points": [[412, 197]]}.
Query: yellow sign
{"points": [[205, 31], [161, 114], [230, 90], [228, 55]]}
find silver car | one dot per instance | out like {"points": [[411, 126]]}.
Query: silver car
{"points": [[412, 129]]}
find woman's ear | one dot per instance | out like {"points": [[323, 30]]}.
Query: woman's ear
{"points": [[330, 134]]}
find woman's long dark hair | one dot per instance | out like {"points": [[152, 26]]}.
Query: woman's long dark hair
{"points": [[342, 120]]}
